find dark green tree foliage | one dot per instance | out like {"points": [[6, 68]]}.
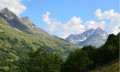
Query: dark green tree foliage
{"points": [[54, 63], [13, 55], [78, 61], [88, 58], [91, 51], [40, 61], [109, 51]]}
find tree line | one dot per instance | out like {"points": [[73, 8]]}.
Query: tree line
{"points": [[80, 60]]}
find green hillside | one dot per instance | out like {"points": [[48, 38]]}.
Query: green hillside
{"points": [[36, 40], [113, 66], [15, 44]]}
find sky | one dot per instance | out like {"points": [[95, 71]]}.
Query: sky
{"points": [[65, 17]]}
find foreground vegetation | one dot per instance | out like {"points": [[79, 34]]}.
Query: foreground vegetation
{"points": [[16, 44], [89, 58], [80, 60], [14, 59], [113, 66], [40, 61]]}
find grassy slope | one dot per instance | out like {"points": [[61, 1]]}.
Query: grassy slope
{"points": [[9, 53], [110, 67], [57, 45]]}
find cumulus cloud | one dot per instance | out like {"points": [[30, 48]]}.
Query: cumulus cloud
{"points": [[107, 14], [114, 18], [13, 5], [73, 26], [51, 23], [108, 20], [94, 25], [46, 18]]}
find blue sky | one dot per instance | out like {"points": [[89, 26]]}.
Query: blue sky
{"points": [[56, 16]]}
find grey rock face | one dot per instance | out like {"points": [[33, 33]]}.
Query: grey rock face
{"points": [[13, 20], [30, 24], [79, 37], [23, 24], [8, 14], [92, 37]]}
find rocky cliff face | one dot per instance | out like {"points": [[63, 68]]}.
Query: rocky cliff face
{"points": [[8, 14], [92, 37], [74, 39], [23, 24], [31, 26], [13, 20]]}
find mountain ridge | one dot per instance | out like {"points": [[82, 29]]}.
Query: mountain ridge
{"points": [[32, 26], [89, 37], [36, 40], [23, 24], [13, 20]]}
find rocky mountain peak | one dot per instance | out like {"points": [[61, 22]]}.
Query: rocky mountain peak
{"points": [[32, 26], [4, 10], [93, 37], [23, 24], [26, 18], [27, 21], [13, 20], [8, 14], [98, 29]]}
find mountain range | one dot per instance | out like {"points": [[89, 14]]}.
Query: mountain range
{"points": [[23, 30], [95, 37], [23, 24], [20, 36]]}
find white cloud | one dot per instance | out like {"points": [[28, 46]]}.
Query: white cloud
{"points": [[51, 23], [109, 21], [46, 18], [114, 19], [73, 26], [94, 25], [13, 5], [106, 14]]}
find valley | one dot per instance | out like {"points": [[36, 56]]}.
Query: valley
{"points": [[24, 47]]}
